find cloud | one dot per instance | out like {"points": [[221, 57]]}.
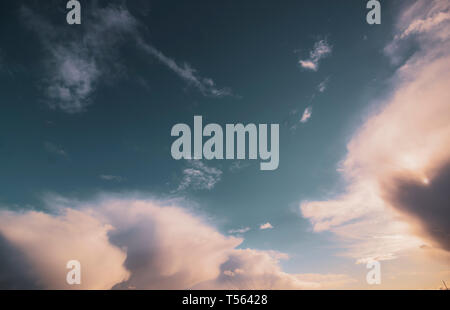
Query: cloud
{"points": [[320, 50], [48, 242], [199, 176], [239, 230], [15, 271], [425, 21], [397, 165], [306, 115], [253, 269], [205, 85], [265, 226], [53, 148], [134, 242], [77, 62], [425, 25], [167, 246], [323, 85], [114, 178]]}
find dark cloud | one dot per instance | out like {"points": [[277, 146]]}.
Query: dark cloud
{"points": [[428, 203], [15, 272]]}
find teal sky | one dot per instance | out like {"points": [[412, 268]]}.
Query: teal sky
{"points": [[120, 140], [253, 49]]}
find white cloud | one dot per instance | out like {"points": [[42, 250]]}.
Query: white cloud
{"points": [[199, 176], [266, 226], [308, 64], [320, 50], [306, 115], [132, 242]]}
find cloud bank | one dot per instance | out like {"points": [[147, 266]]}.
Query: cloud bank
{"points": [[128, 243], [397, 166]]}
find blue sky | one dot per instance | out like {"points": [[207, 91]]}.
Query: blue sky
{"points": [[87, 110]]}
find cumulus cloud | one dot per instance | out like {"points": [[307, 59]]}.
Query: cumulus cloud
{"points": [[265, 226], [397, 162], [78, 61], [199, 176], [306, 115], [320, 50], [48, 242], [134, 242]]}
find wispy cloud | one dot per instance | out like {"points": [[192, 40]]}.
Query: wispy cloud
{"points": [[55, 149], [114, 178], [323, 85], [320, 50], [78, 62], [199, 176], [205, 85], [265, 226], [238, 165], [239, 230], [425, 25], [306, 115], [129, 242]]}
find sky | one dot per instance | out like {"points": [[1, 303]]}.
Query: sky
{"points": [[85, 144]]}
